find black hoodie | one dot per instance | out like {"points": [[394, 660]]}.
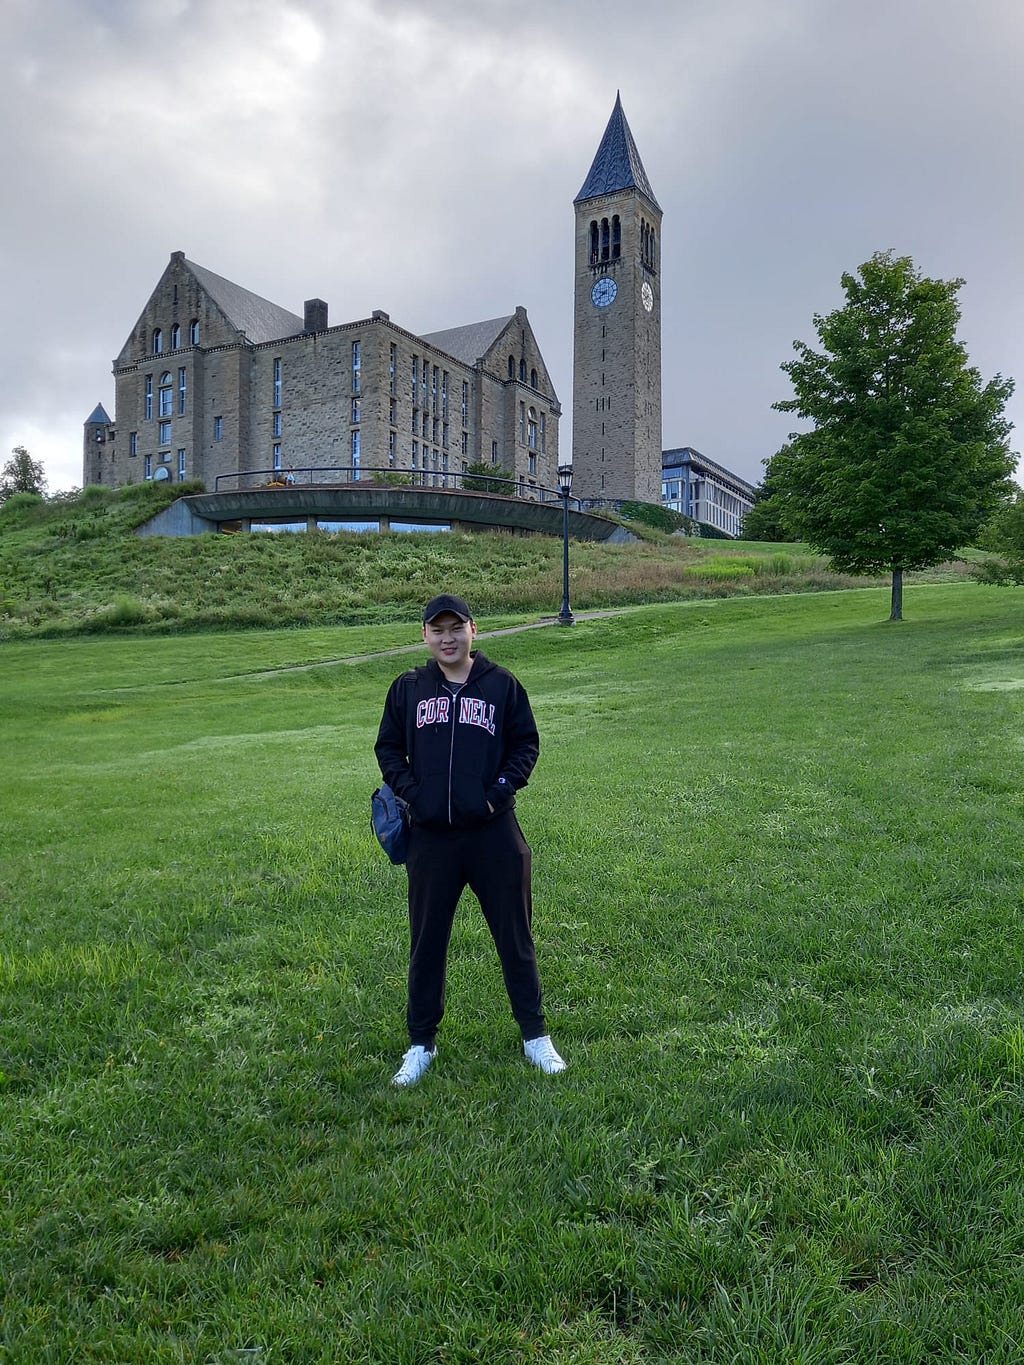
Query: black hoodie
{"points": [[449, 756]]}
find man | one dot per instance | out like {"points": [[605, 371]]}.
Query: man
{"points": [[456, 741]]}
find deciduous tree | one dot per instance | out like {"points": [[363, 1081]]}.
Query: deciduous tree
{"points": [[22, 474], [908, 454]]}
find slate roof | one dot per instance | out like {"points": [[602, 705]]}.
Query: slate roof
{"points": [[258, 318], [99, 414], [617, 165], [470, 343]]}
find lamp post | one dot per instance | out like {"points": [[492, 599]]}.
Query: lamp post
{"points": [[565, 616]]}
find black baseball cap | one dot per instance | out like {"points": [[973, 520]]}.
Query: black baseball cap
{"points": [[446, 602]]}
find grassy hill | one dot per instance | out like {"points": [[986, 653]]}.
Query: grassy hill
{"points": [[74, 566], [777, 887]]}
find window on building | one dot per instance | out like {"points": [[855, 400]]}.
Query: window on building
{"points": [[356, 410], [531, 428], [392, 363], [444, 393], [533, 464], [175, 337], [357, 367], [415, 381], [148, 470], [357, 449], [533, 379], [522, 423], [277, 423], [444, 434], [277, 383], [543, 433], [133, 443], [182, 391], [158, 341], [465, 443], [218, 428], [277, 455], [426, 425], [494, 452], [522, 370], [616, 237], [415, 454], [511, 367], [433, 389], [181, 466], [594, 244], [465, 403], [165, 433], [166, 397], [392, 437], [193, 332], [604, 239], [149, 397], [393, 411]]}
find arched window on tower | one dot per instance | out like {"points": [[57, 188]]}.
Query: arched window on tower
{"points": [[531, 428], [604, 239], [594, 247], [643, 241], [175, 337], [533, 379], [193, 332], [616, 238], [158, 341], [654, 250], [511, 367], [522, 370], [166, 395]]}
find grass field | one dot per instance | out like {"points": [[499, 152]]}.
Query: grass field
{"points": [[778, 889]]}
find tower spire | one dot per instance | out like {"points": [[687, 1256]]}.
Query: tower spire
{"points": [[617, 165]]}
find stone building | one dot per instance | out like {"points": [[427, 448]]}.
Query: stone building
{"points": [[616, 437], [216, 383]]}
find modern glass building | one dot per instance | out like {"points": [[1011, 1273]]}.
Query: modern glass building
{"points": [[706, 491]]}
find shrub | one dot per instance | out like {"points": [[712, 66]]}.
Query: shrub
{"points": [[21, 500], [481, 477], [93, 494], [653, 514]]}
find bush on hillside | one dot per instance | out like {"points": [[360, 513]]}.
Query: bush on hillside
{"points": [[655, 515]]}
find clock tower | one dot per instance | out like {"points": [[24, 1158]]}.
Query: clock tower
{"points": [[616, 409]]}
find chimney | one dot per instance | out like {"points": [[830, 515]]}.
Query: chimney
{"points": [[315, 314]]}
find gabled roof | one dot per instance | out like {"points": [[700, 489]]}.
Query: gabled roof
{"points": [[470, 343], [617, 165], [97, 416], [258, 318]]}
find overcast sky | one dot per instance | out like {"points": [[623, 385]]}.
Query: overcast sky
{"points": [[423, 158]]}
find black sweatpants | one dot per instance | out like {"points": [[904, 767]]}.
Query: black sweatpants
{"points": [[494, 862]]}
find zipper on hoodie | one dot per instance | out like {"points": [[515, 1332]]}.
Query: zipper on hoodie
{"points": [[451, 747]]}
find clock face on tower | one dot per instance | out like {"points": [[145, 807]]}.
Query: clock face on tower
{"points": [[603, 293], [647, 294]]}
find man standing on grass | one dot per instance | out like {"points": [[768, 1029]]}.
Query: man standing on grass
{"points": [[456, 741]]}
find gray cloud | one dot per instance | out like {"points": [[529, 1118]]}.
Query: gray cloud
{"points": [[423, 159]]}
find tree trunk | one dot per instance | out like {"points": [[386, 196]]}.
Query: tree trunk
{"points": [[896, 614]]}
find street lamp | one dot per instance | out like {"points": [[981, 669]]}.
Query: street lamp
{"points": [[565, 616]]}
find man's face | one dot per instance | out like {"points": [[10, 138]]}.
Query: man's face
{"points": [[449, 639]]}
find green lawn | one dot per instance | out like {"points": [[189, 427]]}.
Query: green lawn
{"points": [[778, 888]]}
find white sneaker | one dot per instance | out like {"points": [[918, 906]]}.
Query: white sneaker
{"points": [[414, 1064], [541, 1052]]}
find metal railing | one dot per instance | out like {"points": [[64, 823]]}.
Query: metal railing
{"points": [[306, 476]]}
